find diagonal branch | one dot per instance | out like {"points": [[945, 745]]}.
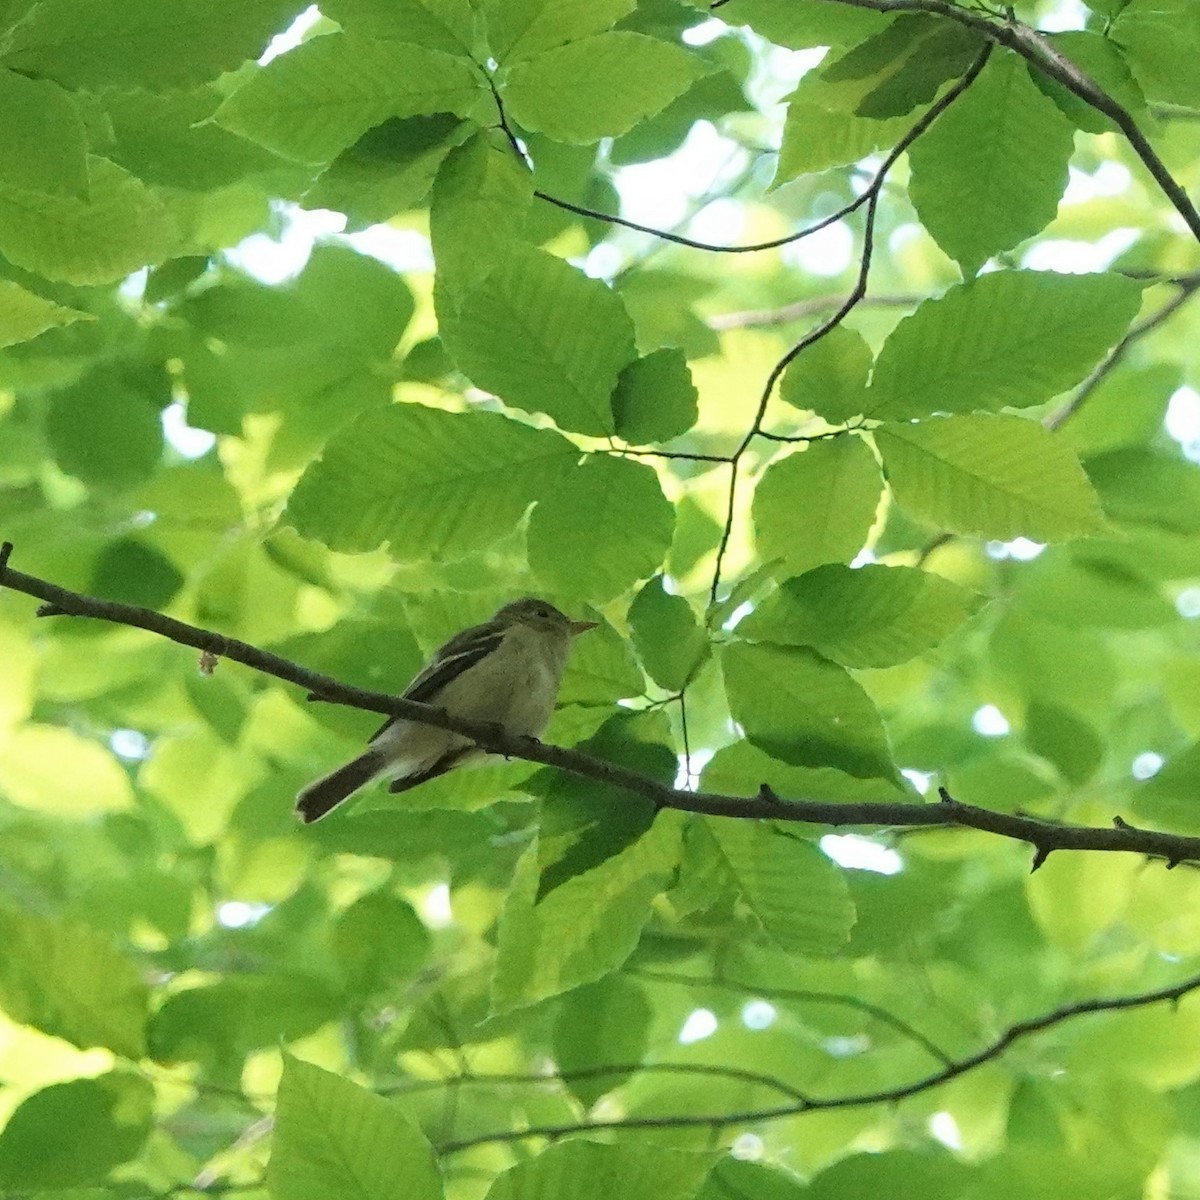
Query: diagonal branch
{"points": [[1014, 1033], [1044, 836], [1050, 61], [1188, 286]]}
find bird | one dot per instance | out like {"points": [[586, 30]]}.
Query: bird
{"points": [[507, 671]]}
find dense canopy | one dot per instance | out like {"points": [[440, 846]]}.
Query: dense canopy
{"points": [[838, 358]]}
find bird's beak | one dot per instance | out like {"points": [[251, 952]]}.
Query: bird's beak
{"points": [[578, 627]]}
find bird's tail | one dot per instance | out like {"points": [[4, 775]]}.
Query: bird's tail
{"points": [[323, 794]]}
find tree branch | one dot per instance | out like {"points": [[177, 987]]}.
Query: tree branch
{"points": [[1044, 836], [1030, 45], [807, 1104]]}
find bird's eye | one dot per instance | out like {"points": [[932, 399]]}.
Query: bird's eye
{"points": [[543, 612]]}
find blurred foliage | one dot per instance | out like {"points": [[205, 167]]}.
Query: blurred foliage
{"points": [[346, 452]]}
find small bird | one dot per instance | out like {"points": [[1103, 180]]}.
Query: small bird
{"points": [[507, 671]]}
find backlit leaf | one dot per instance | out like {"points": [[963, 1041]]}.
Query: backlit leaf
{"points": [[805, 710], [599, 86], [331, 1135], [468, 478], [317, 100], [605, 526], [874, 616], [1008, 339], [817, 505], [995, 476]]}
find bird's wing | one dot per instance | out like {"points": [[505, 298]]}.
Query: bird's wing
{"points": [[459, 654]]}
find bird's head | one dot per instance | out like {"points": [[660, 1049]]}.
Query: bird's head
{"points": [[541, 615]]}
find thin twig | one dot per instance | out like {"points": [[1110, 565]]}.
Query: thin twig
{"points": [[857, 293], [952, 1070], [649, 452], [679, 239], [518, 1078], [803, 996]]}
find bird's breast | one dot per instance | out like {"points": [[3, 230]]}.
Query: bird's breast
{"points": [[516, 685]]}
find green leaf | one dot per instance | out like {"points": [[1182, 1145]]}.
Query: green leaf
{"points": [[817, 505], [584, 823], [1066, 740], [585, 927], [669, 639], [120, 227], [389, 169], [132, 572], [874, 616], [830, 377], [1056, 664], [905, 64], [105, 430], [600, 86], [584, 1170], [805, 710], [469, 477], [1148, 487], [70, 981], [1008, 339], [602, 1024], [742, 1177], [24, 315], [662, 304], [996, 476], [603, 527], [380, 941], [315, 101], [1092, 591], [1127, 408], [992, 169], [72, 1134], [825, 127], [143, 43], [886, 51], [481, 199], [601, 669], [742, 769], [447, 25], [55, 769], [42, 142], [938, 1175], [168, 138], [544, 337], [333, 1137], [799, 896], [817, 137], [1161, 39], [518, 29], [361, 306], [803, 23], [655, 399], [944, 51]]}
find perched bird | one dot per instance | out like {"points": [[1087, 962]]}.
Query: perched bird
{"points": [[507, 671]]}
